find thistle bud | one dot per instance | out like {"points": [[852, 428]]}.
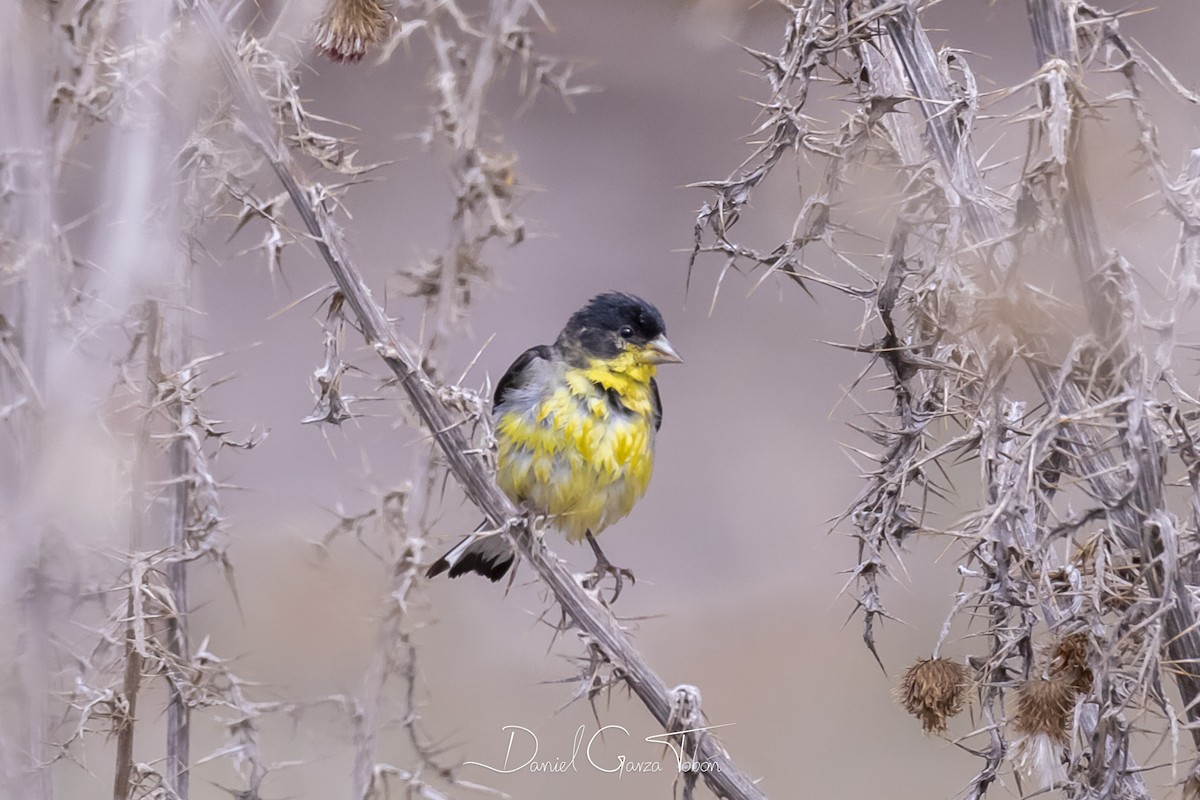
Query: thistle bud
{"points": [[933, 690], [349, 27]]}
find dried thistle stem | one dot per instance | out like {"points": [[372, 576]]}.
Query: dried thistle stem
{"points": [[183, 418], [131, 680], [1141, 520], [592, 618]]}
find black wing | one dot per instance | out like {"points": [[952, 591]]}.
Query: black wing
{"points": [[515, 376], [656, 402]]}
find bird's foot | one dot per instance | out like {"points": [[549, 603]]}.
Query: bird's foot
{"points": [[604, 567]]}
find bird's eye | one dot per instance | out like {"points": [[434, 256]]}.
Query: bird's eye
{"points": [[626, 331]]}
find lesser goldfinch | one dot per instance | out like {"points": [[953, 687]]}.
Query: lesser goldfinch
{"points": [[575, 425]]}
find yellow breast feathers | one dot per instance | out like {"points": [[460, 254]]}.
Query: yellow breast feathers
{"points": [[582, 450]]}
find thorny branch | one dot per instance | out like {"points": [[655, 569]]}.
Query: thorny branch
{"points": [[1084, 609], [485, 205], [186, 527], [95, 74], [1141, 518], [595, 621], [132, 678]]}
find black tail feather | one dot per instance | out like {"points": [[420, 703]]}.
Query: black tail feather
{"points": [[489, 556], [491, 569]]}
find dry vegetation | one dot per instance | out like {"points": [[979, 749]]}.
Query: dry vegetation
{"points": [[1076, 533], [189, 154], [1076, 403]]}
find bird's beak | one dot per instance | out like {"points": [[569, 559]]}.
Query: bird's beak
{"points": [[659, 351]]}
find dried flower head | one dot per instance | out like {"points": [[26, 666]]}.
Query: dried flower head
{"points": [[933, 690], [1044, 707], [349, 27], [1069, 661]]}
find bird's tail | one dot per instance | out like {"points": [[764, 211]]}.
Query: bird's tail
{"points": [[489, 555]]}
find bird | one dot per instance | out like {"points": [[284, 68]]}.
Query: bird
{"points": [[575, 424]]}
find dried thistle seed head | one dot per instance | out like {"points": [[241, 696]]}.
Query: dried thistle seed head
{"points": [[1044, 707], [1069, 661], [349, 27], [933, 690], [1040, 757]]}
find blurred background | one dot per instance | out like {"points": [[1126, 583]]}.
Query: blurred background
{"points": [[739, 569]]}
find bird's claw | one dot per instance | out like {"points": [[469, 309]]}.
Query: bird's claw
{"points": [[604, 567]]}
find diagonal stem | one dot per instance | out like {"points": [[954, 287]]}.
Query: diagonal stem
{"points": [[594, 619]]}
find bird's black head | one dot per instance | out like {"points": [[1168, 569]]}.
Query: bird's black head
{"points": [[613, 323]]}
